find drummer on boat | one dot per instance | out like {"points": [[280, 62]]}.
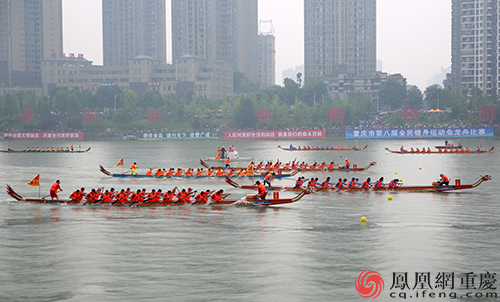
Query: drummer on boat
{"points": [[347, 163], [133, 169], [54, 189], [261, 189], [444, 181]]}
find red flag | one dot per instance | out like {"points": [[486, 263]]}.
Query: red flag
{"points": [[120, 163], [35, 182]]}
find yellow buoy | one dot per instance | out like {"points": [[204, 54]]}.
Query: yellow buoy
{"points": [[17, 171], [390, 197], [396, 173], [400, 180], [420, 168], [164, 178], [363, 219], [70, 167]]}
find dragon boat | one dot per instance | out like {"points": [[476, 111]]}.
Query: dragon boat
{"points": [[45, 151], [253, 175], [434, 187], [339, 168], [442, 151], [327, 148], [250, 199]]}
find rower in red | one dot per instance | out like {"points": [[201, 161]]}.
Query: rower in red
{"points": [[54, 189]]}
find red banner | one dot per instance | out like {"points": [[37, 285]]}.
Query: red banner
{"points": [[43, 135], [278, 134]]}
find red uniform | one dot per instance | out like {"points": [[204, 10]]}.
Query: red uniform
{"points": [[53, 190], [262, 191]]}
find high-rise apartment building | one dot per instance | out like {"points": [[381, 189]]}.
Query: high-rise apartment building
{"points": [[30, 31], [267, 53], [131, 28], [474, 45], [217, 30], [339, 37]]}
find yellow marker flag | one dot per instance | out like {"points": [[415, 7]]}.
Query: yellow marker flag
{"points": [[120, 163], [35, 182]]}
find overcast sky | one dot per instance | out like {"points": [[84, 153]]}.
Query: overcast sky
{"points": [[413, 36]]}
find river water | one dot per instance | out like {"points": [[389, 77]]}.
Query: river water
{"points": [[312, 250]]}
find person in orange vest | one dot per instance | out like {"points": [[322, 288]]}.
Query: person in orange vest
{"points": [[268, 178], [347, 163], [137, 196], [226, 162], [326, 183], [120, 196], [261, 189], [366, 184], [299, 182], [152, 195], [149, 172], [379, 183], [218, 196], [351, 183], [54, 189], [393, 183], [75, 196], [444, 181], [339, 183], [91, 196]]}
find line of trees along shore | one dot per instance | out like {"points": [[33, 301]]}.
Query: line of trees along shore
{"points": [[291, 106]]}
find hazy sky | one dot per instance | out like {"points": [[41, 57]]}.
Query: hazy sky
{"points": [[413, 36]]}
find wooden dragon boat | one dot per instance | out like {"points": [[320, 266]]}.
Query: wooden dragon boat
{"points": [[329, 148], [250, 199], [255, 175], [432, 188], [339, 168], [45, 151], [443, 151]]}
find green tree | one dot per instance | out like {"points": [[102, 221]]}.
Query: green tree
{"points": [[244, 112], [226, 108], [28, 102], [313, 92], [279, 113], [122, 116], [130, 100], [290, 91], [73, 105], [414, 98], [299, 78], [105, 96], [60, 101], [151, 99], [11, 105], [392, 94], [301, 114]]}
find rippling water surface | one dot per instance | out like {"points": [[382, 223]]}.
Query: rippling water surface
{"points": [[312, 250]]}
